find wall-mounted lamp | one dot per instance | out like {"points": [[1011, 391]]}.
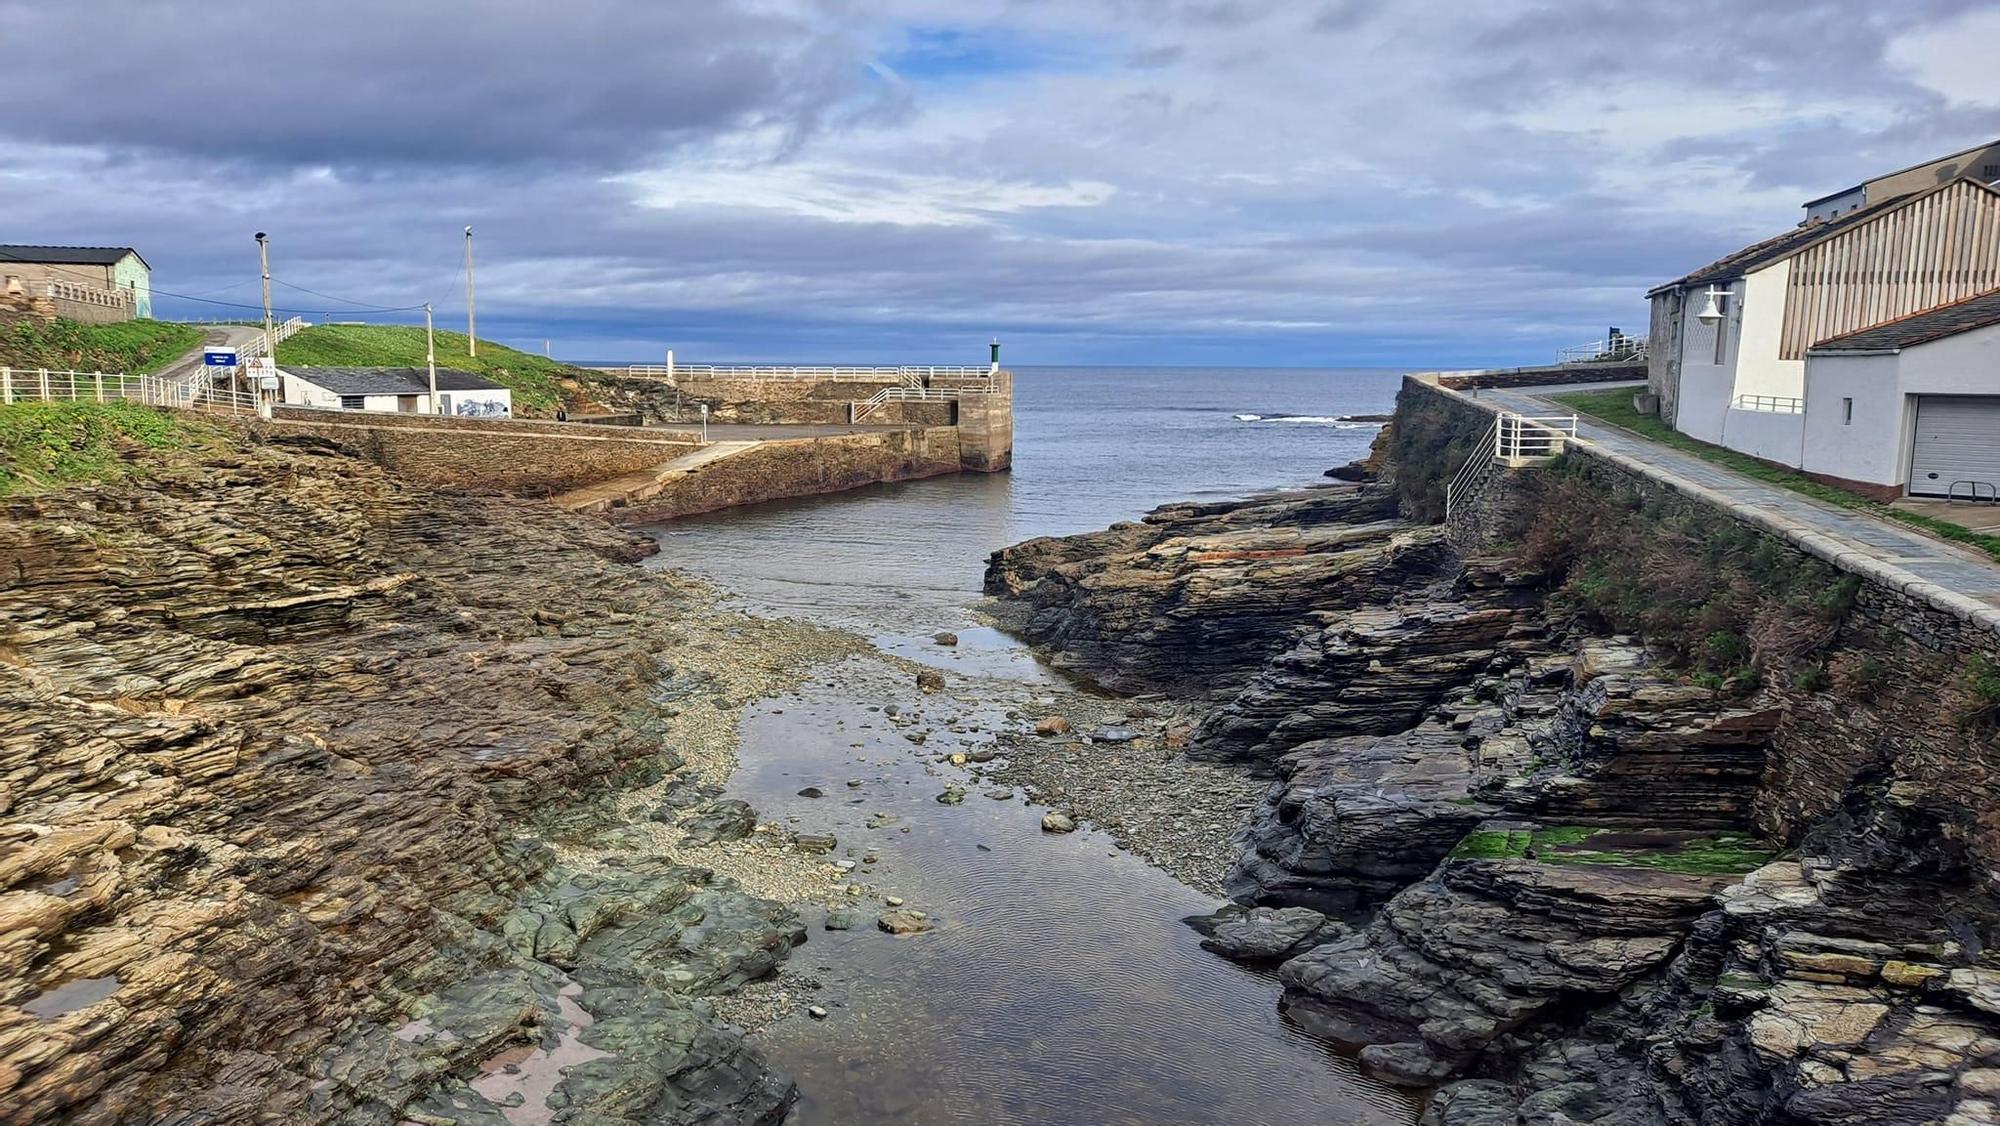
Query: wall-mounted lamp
{"points": [[1711, 313]]}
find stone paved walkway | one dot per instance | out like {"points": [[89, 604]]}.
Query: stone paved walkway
{"points": [[1954, 568]]}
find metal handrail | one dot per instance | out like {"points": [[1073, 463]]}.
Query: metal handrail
{"points": [[901, 394], [1512, 440], [1769, 404], [1604, 351]]}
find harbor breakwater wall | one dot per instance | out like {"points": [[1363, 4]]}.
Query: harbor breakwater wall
{"points": [[796, 467], [523, 456]]}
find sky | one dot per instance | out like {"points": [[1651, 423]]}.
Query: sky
{"points": [[1206, 182]]}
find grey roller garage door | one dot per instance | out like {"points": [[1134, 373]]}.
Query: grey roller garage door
{"points": [[1958, 440]]}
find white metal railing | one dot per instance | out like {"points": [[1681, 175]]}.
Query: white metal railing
{"points": [[1515, 441], [903, 374], [1770, 404], [1517, 436], [1478, 464], [22, 385], [901, 394], [1609, 350], [279, 334]]}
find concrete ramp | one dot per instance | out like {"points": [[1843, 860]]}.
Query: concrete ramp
{"points": [[633, 488]]}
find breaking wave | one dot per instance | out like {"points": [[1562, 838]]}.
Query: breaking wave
{"points": [[1338, 422]]}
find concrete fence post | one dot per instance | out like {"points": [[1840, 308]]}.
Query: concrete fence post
{"points": [[100, 386], [7, 386], [45, 384]]}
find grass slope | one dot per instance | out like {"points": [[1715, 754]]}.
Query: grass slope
{"points": [[1615, 407], [126, 346], [48, 445], [532, 378]]}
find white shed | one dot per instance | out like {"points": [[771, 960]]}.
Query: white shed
{"points": [[1910, 406], [406, 390]]}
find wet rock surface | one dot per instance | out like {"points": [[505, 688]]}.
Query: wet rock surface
{"points": [[1265, 934], [279, 738], [1194, 597]]}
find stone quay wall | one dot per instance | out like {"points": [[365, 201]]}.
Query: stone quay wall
{"points": [[796, 467], [985, 422], [524, 456]]}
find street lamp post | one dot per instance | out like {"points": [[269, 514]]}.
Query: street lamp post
{"points": [[431, 356], [471, 325]]}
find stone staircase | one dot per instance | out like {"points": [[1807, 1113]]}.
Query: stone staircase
{"points": [[646, 484]]}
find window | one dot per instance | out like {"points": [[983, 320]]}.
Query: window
{"points": [[1990, 172], [1847, 412], [353, 403]]}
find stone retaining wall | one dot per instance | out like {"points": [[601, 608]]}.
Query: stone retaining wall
{"points": [[795, 467], [1896, 708], [1916, 590], [523, 456]]}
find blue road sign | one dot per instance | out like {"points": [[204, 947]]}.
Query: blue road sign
{"points": [[221, 357]]}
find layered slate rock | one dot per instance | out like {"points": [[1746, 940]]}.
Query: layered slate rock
{"points": [[1854, 985], [1352, 821], [275, 732], [1635, 744], [1520, 922], [1194, 598], [1377, 671], [1265, 934]]}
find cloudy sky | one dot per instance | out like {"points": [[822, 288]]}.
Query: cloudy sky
{"points": [[1292, 182]]}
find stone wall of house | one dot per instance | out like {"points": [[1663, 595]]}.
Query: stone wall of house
{"points": [[521, 456], [795, 467], [1663, 352], [17, 305]]}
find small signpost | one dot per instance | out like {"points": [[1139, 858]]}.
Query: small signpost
{"points": [[219, 356]]}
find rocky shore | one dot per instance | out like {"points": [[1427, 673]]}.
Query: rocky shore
{"points": [[1542, 867], [325, 798]]}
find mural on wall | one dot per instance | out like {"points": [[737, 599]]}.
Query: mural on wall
{"points": [[482, 408]]}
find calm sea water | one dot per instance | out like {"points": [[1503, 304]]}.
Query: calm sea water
{"points": [[1062, 988], [1092, 446]]}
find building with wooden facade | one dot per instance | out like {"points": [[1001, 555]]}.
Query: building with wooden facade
{"points": [[1729, 341]]}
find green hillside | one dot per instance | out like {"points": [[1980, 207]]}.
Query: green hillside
{"points": [[48, 445], [127, 346], [534, 380]]}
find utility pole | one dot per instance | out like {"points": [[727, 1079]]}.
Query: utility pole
{"points": [[431, 356], [471, 336], [264, 264]]}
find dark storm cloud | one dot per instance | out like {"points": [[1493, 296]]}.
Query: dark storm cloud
{"points": [[404, 82]]}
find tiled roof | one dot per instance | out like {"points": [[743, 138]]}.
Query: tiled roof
{"points": [[1918, 328], [1758, 255], [67, 255], [390, 381]]}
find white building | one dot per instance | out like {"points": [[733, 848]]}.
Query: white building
{"points": [[394, 389], [1727, 360], [1909, 406]]}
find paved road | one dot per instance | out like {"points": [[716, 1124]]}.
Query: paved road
{"points": [[185, 363], [1948, 565]]}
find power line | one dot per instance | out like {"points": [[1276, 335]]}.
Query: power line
{"points": [[284, 308], [348, 300]]}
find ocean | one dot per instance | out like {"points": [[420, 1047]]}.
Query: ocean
{"points": [[1092, 446]]}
